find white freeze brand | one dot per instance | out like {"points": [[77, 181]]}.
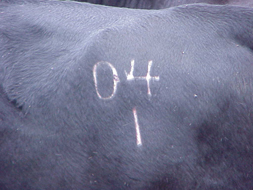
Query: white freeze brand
{"points": [[137, 128], [129, 76], [115, 79]]}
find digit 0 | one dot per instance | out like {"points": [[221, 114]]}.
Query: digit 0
{"points": [[115, 79]]}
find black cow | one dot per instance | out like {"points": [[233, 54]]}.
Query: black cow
{"points": [[97, 97]]}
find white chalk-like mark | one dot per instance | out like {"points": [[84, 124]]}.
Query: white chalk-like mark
{"points": [[115, 79], [137, 128], [130, 76], [148, 77]]}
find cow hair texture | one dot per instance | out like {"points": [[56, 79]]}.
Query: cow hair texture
{"points": [[161, 4], [149, 4], [69, 107]]}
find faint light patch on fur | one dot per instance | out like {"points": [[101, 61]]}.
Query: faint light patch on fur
{"points": [[137, 128], [130, 76], [115, 79]]}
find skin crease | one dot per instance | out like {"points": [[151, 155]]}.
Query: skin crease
{"points": [[95, 97], [151, 4], [161, 4]]}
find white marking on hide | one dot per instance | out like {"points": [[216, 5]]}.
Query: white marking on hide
{"points": [[137, 128], [130, 76], [115, 79]]}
